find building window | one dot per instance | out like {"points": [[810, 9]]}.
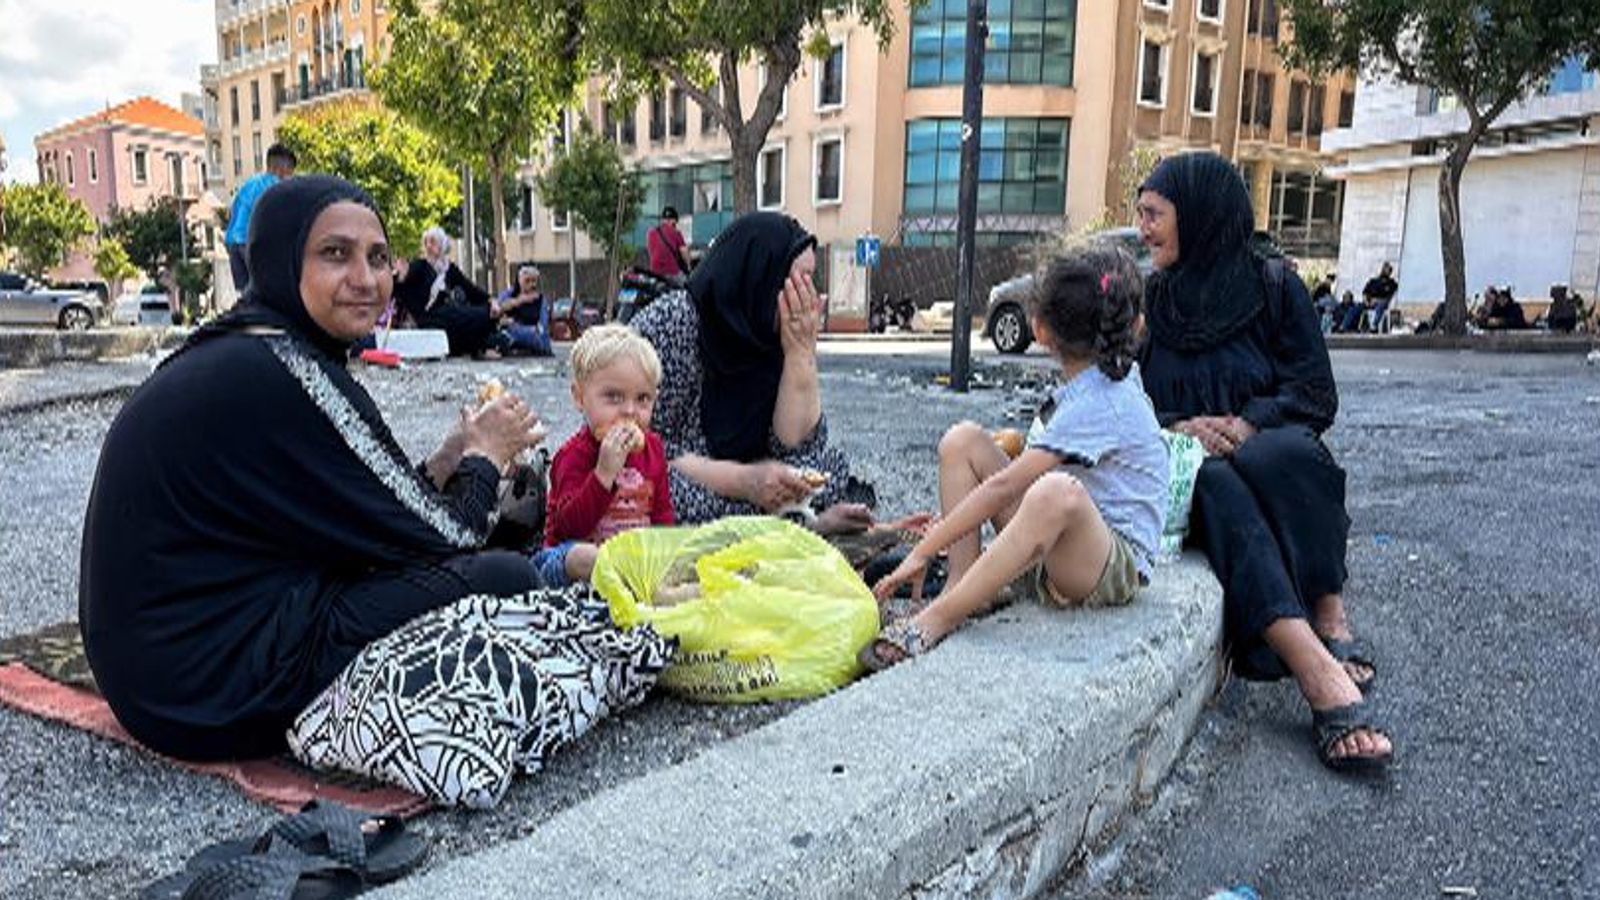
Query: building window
{"points": [[1030, 42], [1297, 106], [658, 118], [233, 103], [238, 157], [1347, 109], [1209, 10], [1266, 84], [1262, 18], [1315, 110], [628, 132], [175, 172], [828, 187], [255, 101], [525, 215], [72, 177], [141, 166], [300, 26], [769, 178], [679, 124], [255, 151], [830, 79], [277, 91], [708, 121], [1022, 168], [94, 167], [355, 7], [560, 220], [1203, 101], [1153, 74]]}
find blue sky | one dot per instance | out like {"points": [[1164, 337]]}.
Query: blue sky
{"points": [[62, 59]]}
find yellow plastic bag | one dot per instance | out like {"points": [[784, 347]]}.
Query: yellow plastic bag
{"points": [[778, 614]]}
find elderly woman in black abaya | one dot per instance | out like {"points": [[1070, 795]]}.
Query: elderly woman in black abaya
{"points": [[1236, 359], [253, 524], [437, 294], [740, 409]]}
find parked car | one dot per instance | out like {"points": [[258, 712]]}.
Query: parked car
{"points": [[1006, 322], [150, 306], [24, 301], [568, 320], [98, 288]]}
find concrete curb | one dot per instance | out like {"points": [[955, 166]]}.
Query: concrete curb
{"points": [[980, 769], [1504, 342], [30, 349]]}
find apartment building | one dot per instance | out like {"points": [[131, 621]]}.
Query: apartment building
{"points": [[275, 56], [869, 141], [1530, 195], [125, 156]]}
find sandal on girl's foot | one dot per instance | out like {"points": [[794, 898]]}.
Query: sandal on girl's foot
{"points": [[1353, 652], [1330, 726], [896, 643]]}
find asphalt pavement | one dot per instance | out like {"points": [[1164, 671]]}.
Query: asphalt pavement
{"points": [[1476, 511]]}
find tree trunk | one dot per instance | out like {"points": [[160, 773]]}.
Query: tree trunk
{"points": [[746, 156], [1452, 247], [497, 203]]}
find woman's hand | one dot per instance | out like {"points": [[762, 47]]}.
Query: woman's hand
{"points": [[843, 518], [1219, 435], [1237, 430], [773, 485], [799, 317], [912, 569], [499, 430]]}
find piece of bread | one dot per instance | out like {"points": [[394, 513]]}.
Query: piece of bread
{"points": [[1011, 441], [635, 437], [814, 478], [490, 391]]}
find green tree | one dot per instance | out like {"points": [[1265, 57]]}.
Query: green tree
{"points": [[43, 225], [401, 166], [486, 78], [591, 181], [1488, 54], [112, 264], [697, 46], [151, 237]]}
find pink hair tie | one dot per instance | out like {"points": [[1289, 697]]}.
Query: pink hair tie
{"points": [[1105, 283]]}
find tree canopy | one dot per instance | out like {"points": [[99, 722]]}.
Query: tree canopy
{"points": [[401, 166], [1488, 54], [43, 225], [112, 264], [151, 238], [697, 46], [591, 181], [488, 79]]}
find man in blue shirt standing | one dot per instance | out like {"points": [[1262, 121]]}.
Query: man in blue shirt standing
{"points": [[280, 165]]}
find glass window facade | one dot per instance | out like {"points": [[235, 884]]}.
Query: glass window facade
{"points": [[1022, 168], [704, 191], [1030, 42]]}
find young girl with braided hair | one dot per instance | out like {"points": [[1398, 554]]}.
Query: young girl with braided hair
{"points": [[1082, 505]]}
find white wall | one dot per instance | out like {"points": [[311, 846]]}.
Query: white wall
{"points": [[1519, 218]]}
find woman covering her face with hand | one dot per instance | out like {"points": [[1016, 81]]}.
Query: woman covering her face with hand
{"points": [[740, 408]]}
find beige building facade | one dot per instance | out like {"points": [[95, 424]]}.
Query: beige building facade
{"points": [[869, 141], [276, 56]]}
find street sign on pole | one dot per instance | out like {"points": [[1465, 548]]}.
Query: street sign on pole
{"points": [[868, 251], [967, 198]]}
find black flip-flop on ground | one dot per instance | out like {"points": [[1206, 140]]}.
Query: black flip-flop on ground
{"points": [[1329, 726], [376, 847], [1356, 652], [283, 872]]}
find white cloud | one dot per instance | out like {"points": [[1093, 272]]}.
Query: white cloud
{"points": [[63, 60]]}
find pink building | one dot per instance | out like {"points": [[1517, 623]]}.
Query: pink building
{"points": [[127, 156]]}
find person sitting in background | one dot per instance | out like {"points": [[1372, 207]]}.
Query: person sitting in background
{"points": [[1563, 313], [1376, 295], [525, 314], [1322, 299], [280, 165], [1501, 312], [437, 294], [1347, 315], [666, 245]]}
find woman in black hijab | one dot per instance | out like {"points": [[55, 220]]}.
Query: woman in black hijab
{"points": [[1235, 358], [253, 524], [437, 294], [740, 409]]}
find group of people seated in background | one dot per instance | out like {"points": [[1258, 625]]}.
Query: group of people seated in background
{"points": [[1372, 315]]}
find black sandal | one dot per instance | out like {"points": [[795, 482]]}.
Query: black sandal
{"points": [[1356, 652], [1329, 726], [280, 872]]}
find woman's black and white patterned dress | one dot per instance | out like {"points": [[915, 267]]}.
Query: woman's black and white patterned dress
{"points": [[672, 325]]}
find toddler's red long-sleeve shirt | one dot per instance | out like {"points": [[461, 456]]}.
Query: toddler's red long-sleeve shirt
{"points": [[581, 508]]}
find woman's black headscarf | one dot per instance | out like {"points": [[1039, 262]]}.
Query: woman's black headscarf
{"points": [[1215, 288], [279, 228], [735, 288]]}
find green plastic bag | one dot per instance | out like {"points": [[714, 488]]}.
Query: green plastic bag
{"points": [[1184, 456], [762, 608]]}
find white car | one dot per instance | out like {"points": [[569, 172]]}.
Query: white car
{"points": [[147, 307]]}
